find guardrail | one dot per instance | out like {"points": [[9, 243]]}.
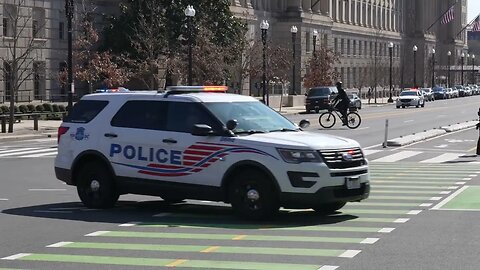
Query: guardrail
{"points": [[35, 116]]}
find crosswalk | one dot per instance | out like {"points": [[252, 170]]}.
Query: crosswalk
{"points": [[28, 152], [390, 156], [196, 236]]}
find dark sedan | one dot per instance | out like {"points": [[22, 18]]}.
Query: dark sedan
{"points": [[440, 93]]}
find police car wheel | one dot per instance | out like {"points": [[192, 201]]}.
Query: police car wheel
{"points": [[329, 208], [251, 196], [95, 186]]}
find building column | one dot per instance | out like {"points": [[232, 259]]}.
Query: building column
{"points": [[349, 11], [335, 10], [362, 12], [235, 3], [307, 5], [294, 5]]}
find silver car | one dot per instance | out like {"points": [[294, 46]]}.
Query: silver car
{"points": [[412, 97]]}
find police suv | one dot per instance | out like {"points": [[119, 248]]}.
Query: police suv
{"points": [[203, 143]]}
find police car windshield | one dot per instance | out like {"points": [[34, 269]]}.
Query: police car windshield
{"points": [[252, 117]]}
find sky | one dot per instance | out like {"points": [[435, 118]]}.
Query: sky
{"points": [[473, 9]]}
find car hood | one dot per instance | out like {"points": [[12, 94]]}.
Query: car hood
{"points": [[318, 97], [409, 97], [299, 140]]}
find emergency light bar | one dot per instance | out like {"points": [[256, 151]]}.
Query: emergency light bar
{"points": [[171, 90], [112, 90]]}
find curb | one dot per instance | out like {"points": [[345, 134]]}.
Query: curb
{"points": [[428, 134]]}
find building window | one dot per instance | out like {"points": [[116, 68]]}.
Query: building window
{"points": [[38, 77], [7, 76], [38, 23], [34, 28], [359, 48], [325, 40], [61, 30], [354, 47], [342, 46], [9, 16], [307, 41], [5, 27], [348, 47], [335, 45]]}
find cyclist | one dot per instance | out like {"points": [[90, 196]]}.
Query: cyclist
{"points": [[341, 102]]}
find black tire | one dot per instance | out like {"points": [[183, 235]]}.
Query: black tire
{"points": [[95, 186], [329, 208], [252, 195], [398, 107], [353, 120], [327, 119]]}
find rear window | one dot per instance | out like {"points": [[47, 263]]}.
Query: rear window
{"points": [[319, 92], [85, 111]]}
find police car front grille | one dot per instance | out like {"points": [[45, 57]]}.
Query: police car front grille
{"points": [[335, 158]]}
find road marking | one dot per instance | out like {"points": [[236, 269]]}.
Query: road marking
{"points": [[176, 263], [239, 237], [449, 198], [46, 189], [41, 155], [17, 150], [401, 220], [162, 215], [370, 241], [130, 224], [425, 204], [16, 256], [386, 230], [467, 179], [210, 249], [453, 187], [25, 152], [445, 192], [442, 158], [414, 212], [460, 183], [408, 121], [441, 146], [397, 156], [3, 199], [98, 233], [350, 253], [328, 267], [472, 175], [60, 244], [368, 152], [435, 198]]}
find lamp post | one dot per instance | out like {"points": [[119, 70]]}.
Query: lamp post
{"points": [[390, 51], [463, 58], [315, 35], [473, 68], [264, 27], [293, 30], [448, 74], [415, 48], [433, 68], [69, 13], [190, 13]]}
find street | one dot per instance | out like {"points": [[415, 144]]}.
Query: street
{"points": [[421, 213]]}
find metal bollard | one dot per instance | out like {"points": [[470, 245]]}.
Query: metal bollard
{"points": [[4, 124], [385, 142], [478, 127], [35, 121]]}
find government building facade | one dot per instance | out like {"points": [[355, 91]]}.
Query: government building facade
{"points": [[359, 31]]}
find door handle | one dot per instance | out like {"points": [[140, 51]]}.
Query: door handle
{"points": [[110, 135], [169, 141]]}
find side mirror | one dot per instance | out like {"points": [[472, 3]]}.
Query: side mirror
{"points": [[304, 123], [232, 124], [201, 130]]}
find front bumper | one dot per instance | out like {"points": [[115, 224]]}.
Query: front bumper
{"points": [[64, 175], [412, 102]]}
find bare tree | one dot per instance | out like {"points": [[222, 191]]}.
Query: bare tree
{"points": [[23, 42], [320, 69]]}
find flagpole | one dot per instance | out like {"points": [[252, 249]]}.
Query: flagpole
{"points": [[467, 25], [441, 16]]}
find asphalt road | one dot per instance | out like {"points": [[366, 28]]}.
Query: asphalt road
{"points": [[421, 215]]}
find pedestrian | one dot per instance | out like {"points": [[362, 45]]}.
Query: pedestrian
{"points": [[341, 102], [369, 94]]}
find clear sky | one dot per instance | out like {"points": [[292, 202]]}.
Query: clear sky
{"points": [[473, 9]]}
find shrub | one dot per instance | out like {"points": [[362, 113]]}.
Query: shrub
{"points": [[55, 108], [61, 108], [16, 109], [23, 108], [4, 110], [31, 107], [39, 108], [47, 107]]}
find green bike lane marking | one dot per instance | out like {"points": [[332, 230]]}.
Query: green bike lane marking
{"points": [[133, 261], [416, 187], [391, 204], [402, 198], [437, 183], [399, 192], [467, 199], [207, 249], [416, 165], [231, 237]]}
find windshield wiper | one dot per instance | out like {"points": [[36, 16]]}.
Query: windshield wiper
{"points": [[250, 131], [283, 130]]}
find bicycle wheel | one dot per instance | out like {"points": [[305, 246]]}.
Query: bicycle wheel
{"points": [[353, 120], [327, 119]]}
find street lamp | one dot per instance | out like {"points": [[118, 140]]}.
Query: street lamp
{"points": [[315, 35], [448, 74], [190, 13], [473, 68], [390, 51], [293, 30], [415, 48], [433, 68], [69, 13], [463, 58], [264, 27]]}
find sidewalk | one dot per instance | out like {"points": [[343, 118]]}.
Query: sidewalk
{"points": [[24, 130]]}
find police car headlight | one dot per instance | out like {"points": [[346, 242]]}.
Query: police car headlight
{"points": [[299, 156]]}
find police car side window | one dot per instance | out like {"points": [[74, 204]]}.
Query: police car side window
{"points": [[182, 116], [142, 114], [85, 111]]}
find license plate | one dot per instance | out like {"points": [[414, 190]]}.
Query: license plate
{"points": [[352, 182]]}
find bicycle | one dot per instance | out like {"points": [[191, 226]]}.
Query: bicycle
{"points": [[328, 119]]}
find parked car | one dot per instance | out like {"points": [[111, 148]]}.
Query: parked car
{"points": [[355, 101], [440, 93], [411, 97], [461, 90], [319, 98], [454, 93], [428, 94]]}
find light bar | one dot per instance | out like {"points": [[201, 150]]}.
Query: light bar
{"points": [[112, 90], [197, 89]]}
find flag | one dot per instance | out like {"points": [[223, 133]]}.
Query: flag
{"points": [[449, 15], [476, 25]]}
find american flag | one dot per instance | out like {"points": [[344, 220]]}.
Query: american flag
{"points": [[476, 25], [449, 15]]}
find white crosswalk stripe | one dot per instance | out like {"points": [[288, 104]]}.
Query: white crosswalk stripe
{"points": [[397, 156], [443, 158], [30, 152], [419, 156]]}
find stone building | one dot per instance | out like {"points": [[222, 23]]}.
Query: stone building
{"points": [[360, 31]]}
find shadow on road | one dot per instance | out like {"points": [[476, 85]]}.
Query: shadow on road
{"points": [[160, 213]]}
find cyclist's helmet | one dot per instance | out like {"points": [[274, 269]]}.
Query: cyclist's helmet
{"points": [[339, 84]]}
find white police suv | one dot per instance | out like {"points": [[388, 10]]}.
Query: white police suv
{"points": [[202, 143]]}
